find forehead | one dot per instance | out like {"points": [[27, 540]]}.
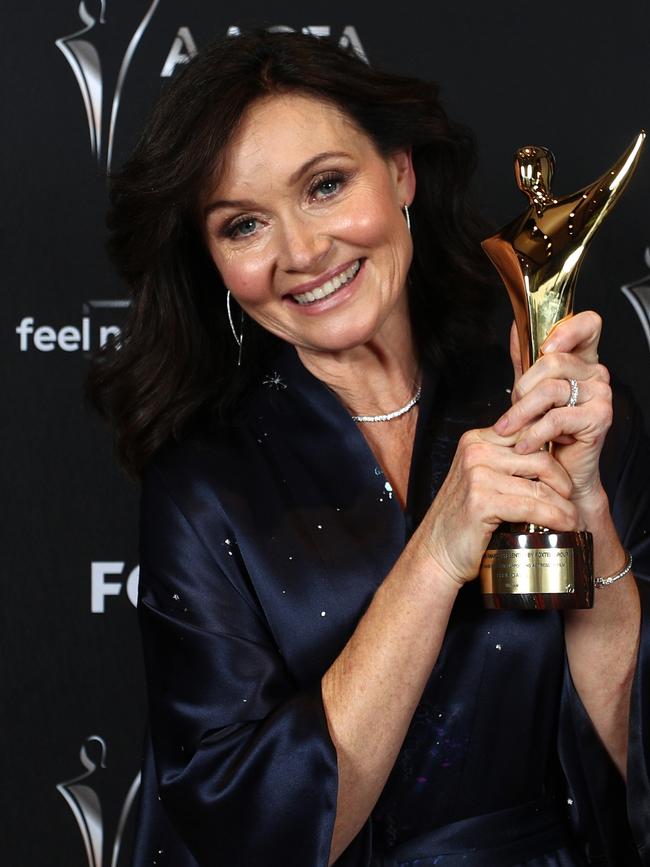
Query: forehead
{"points": [[278, 133]]}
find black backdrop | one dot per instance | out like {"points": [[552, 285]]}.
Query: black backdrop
{"points": [[574, 76]]}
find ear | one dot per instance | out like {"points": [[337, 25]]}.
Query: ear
{"points": [[402, 165]]}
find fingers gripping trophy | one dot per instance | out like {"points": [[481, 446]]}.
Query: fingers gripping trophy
{"points": [[538, 256]]}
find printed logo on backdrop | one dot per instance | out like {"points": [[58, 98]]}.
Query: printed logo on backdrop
{"points": [[101, 95], [99, 320], [86, 64], [109, 578], [85, 796], [638, 294]]}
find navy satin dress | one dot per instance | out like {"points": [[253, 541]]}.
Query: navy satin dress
{"points": [[262, 544]]}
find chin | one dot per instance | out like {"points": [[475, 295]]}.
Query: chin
{"points": [[341, 340]]}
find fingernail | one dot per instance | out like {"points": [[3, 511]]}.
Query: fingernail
{"points": [[551, 346], [502, 424], [521, 447]]}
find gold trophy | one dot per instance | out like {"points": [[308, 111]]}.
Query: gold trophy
{"points": [[538, 256]]}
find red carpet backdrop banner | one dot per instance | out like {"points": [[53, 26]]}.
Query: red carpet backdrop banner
{"points": [[78, 79]]}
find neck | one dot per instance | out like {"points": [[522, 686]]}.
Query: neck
{"points": [[378, 376]]}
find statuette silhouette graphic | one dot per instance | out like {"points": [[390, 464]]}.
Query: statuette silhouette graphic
{"points": [[538, 256], [638, 294], [84, 795], [85, 61]]}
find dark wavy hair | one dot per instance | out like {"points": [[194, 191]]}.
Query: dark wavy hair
{"points": [[174, 365]]}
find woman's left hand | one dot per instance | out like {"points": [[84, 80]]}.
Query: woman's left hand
{"points": [[540, 396]]}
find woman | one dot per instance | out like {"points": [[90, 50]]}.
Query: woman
{"points": [[326, 445]]}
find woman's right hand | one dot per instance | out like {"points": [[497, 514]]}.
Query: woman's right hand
{"points": [[489, 483]]}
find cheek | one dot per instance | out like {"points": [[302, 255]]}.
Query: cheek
{"points": [[373, 222], [247, 277]]}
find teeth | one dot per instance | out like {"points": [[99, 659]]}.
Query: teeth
{"points": [[329, 286]]}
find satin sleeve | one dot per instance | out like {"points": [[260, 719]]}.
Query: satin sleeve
{"points": [[244, 760], [614, 818]]}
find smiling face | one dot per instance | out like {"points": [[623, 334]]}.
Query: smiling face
{"points": [[306, 228]]}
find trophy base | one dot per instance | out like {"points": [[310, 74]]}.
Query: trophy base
{"points": [[538, 570]]}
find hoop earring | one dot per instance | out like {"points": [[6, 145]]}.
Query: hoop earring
{"points": [[408, 216], [238, 340]]}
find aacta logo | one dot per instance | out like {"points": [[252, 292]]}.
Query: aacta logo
{"points": [[84, 795], [89, 65], [638, 294], [85, 61]]}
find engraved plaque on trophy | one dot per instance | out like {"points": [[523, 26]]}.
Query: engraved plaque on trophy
{"points": [[538, 256]]}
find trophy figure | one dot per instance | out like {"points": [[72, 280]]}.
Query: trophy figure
{"points": [[538, 256]]}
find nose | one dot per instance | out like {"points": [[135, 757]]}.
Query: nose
{"points": [[304, 244]]}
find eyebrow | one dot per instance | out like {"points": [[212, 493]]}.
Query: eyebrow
{"points": [[313, 161], [304, 168]]}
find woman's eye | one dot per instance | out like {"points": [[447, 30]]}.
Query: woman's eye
{"points": [[326, 186], [241, 228]]}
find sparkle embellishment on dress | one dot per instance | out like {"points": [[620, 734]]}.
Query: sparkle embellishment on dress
{"points": [[435, 740], [274, 380]]}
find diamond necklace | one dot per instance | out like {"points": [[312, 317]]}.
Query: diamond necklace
{"points": [[389, 416]]}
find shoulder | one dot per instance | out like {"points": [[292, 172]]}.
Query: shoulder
{"points": [[180, 463], [215, 457], [234, 479]]}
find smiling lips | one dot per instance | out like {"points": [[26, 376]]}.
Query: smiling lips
{"points": [[330, 286]]}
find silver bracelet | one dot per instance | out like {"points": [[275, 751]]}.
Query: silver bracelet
{"points": [[605, 582]]}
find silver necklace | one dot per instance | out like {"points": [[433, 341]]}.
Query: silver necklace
{"points": [[389, 416]]}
